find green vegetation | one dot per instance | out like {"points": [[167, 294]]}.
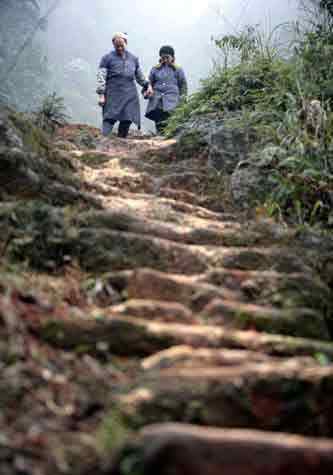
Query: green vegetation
{"points": [[52, 113], [284, 95], [114, 431]]}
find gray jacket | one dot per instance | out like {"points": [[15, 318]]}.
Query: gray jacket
{"points": [[116, 79], [169, 84]]}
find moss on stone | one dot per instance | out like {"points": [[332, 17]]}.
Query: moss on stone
{"points": [[34, 139], [190, 144]]}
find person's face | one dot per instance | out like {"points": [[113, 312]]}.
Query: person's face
{"points": [[119, 45], [166, 59]]}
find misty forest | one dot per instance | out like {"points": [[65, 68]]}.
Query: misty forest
{"points": [[166, 244]]}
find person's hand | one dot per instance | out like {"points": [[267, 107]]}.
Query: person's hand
{"points": [[101, 100], [150, 91]]}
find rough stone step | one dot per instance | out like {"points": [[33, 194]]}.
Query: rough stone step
{"points": [[274, 288], [155, 310], [101, 250], [219, 234], [189, 357], [279, 259], [224, 307], [91, 158], [184, 180], [158, 208], [301, 322], [193, 450], [126, 180], [214, 234], [135, 337], [180, 195], [153, 285], [230, 314], [265, 396], [200, 211]]}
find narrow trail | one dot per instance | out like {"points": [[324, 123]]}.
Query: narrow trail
{"points": [[212, 317], [229, 312]]}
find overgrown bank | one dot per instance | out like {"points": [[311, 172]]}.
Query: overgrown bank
{"points": [[277, 100]]}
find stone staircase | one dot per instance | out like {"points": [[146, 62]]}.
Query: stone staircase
{"points": [[229, 316], [220, 323]]}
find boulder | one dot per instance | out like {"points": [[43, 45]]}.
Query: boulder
{"points": [[229, 145]]}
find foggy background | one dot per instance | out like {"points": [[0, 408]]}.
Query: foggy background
{"points": [[79, 33]]}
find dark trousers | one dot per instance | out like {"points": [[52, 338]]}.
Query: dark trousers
{"points": [[124, 126], [160, 120]]}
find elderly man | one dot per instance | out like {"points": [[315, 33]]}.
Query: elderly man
{"points": [[117, 91], [169, 87]]}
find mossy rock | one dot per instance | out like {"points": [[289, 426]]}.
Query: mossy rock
{"points": [[33, 138], [40, 235], [190, 144]]}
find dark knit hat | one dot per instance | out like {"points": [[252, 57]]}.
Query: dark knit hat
{"points": [[167, 50]]}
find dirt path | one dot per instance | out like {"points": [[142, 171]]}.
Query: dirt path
{"points": [[202, 316]]}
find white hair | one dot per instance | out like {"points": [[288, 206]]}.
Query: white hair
{"points": [[121, 35]]}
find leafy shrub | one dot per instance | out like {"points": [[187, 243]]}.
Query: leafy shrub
{"points": [[269, 91], [52, 113]]}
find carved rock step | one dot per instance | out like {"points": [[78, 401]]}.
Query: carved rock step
{"points": [[134, 337], [294, 322], [215, 234], [231, 314], [149, 284], [278, 259], [125, 179], [156, 208], [181, 448], [155, 310], [283, 291], [266, 396], [100, 249], [189, 357], [274, 288], [138, 183]]}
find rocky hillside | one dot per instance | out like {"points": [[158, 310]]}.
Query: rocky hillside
{"points": [[141, 310]]}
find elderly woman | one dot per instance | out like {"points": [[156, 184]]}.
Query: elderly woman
{"points": [[169, 85], [117, 91]]}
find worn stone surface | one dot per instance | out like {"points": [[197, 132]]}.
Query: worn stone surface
{"points": [[179, 449], [297, 322], [155, 310], [189, 357], [149, 284], [265, 396], [228, 146], [274, 288], [133, 336], [132, 291], [249, 183]]}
